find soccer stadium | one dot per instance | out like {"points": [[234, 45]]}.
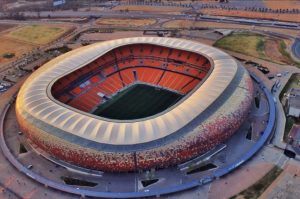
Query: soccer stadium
{"points": [[134, 104]]}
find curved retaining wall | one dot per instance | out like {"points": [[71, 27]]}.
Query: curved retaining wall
{"points": [[296, 48]]}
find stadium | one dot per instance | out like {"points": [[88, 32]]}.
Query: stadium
{"points": [[134, 104]]}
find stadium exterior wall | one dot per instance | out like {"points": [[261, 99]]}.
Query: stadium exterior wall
{"points": [[208, 133], [213, 126]]}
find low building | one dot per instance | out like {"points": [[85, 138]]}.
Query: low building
{"points": [[294, 137], [293, 103]]}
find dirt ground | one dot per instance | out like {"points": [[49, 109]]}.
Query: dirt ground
{"points": [[125, 22], [205, 24], [282, 4], [23, 39], [287, 183], [240, 180], [12, 46], [6, 26], [169, 9], [255, 15], [272, 51], [72, 20], [110, 36]]}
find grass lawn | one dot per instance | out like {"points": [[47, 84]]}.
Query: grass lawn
{"points": [[260, 186], [246, 43], [256, 45], [137, 101], [38, 34]]}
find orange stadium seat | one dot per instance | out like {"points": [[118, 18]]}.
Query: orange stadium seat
{"points": [[108, 70], [187, 88], [180, 81], [174, 54], [182, 56], [76, 91], [95, 79], [64, 98], [166, 78], [127, 76]]}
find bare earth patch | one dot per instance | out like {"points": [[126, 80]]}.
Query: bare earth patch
{"points": [[238, 180], [254, 15], [125, 22], [145, 8], [110, 36], [6, 26], [12, 46], [272, 51], [282, 4], [287, 184]]}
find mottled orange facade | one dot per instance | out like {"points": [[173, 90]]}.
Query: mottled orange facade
{"points": [[213, 126]]}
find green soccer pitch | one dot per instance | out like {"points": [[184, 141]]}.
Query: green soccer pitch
{"points": [[137, 101]]}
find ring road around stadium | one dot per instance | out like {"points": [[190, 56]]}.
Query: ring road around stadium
{"points": [[134, 104]]}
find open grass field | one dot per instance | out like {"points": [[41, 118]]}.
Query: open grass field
{"points": [[245, 43], [186, 24], [125, 22], [145, 8], [23, 39], [138, 101], [260, 186], [255, 15], [38, 34], [257, 45]]}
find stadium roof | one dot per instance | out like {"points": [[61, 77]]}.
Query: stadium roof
{"points": [[35, 96]]}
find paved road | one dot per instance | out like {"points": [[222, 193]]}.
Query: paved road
{"points": [[140, 14], [296, 48]]}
